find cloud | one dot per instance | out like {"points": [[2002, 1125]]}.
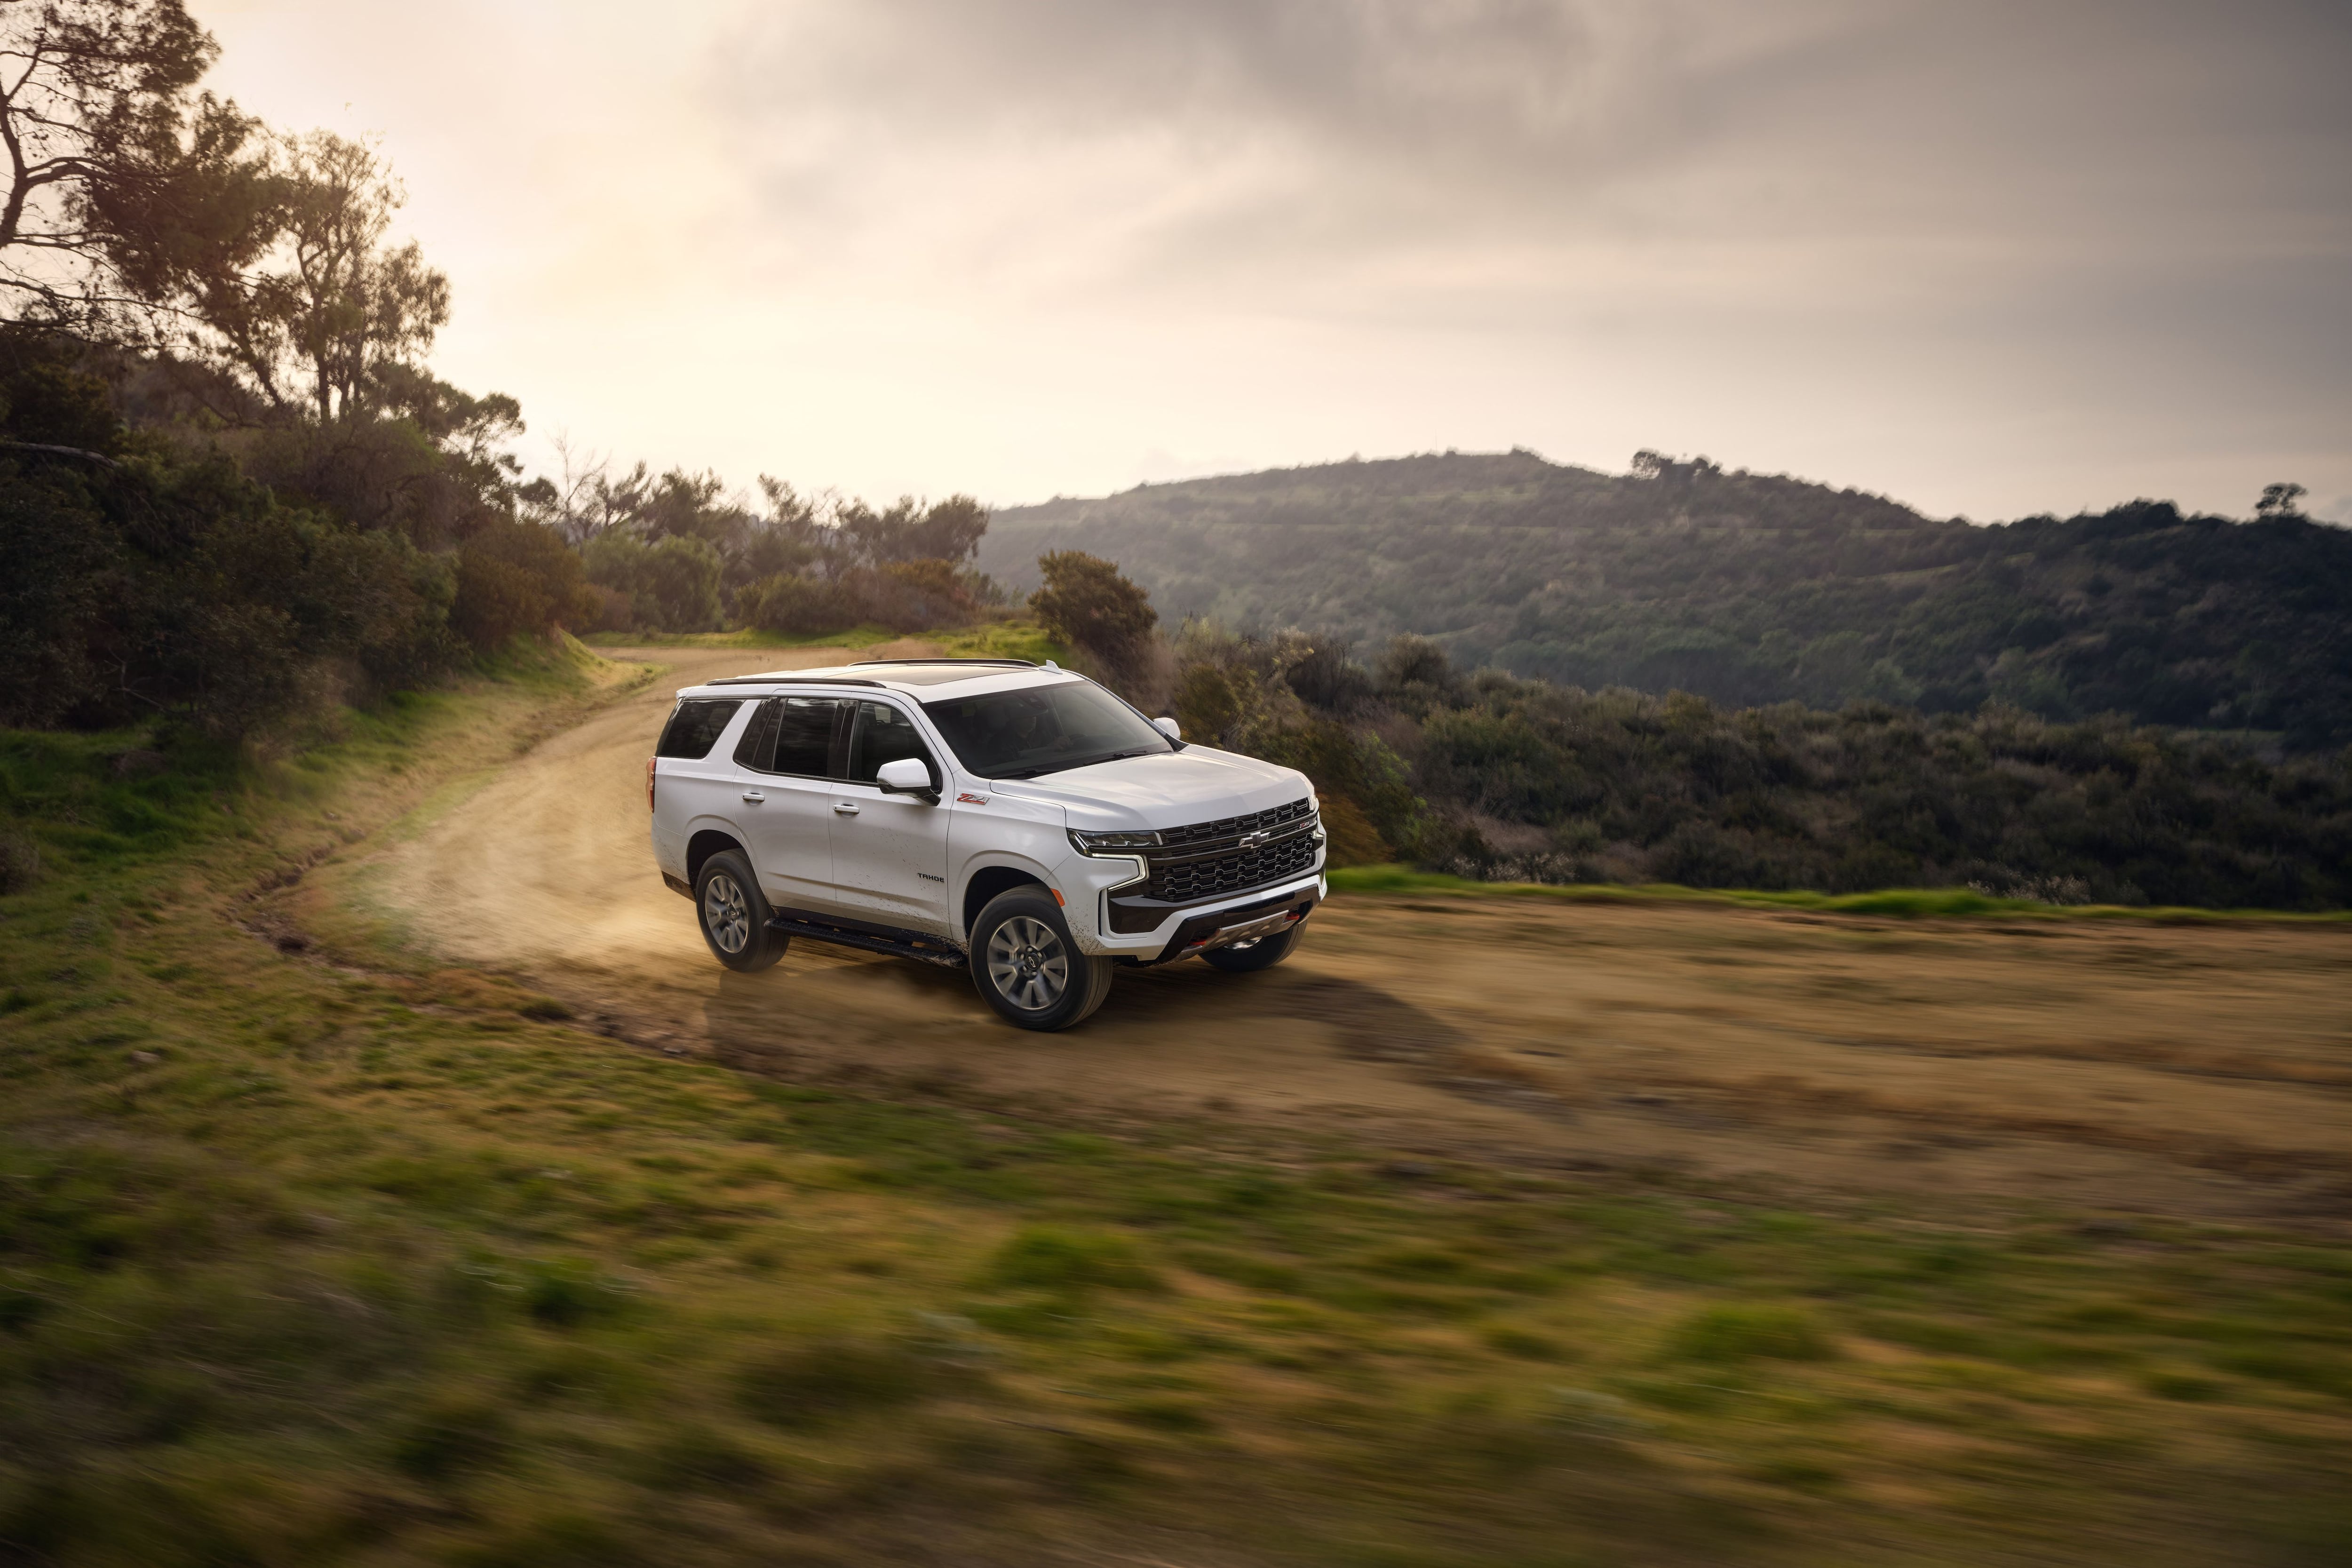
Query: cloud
{"points": [[1995, 258], [1174, 136]]}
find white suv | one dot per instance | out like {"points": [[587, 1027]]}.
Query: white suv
{"points": [[1017, 820]]}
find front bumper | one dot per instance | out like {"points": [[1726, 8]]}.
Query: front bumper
{"points": [[1193, 927], [1244, 922]]}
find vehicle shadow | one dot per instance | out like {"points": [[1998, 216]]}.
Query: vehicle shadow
{"points": [[1370, 1023], [1162, 1031]]}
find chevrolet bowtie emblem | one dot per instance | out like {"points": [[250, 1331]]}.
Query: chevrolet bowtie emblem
{"points": [[1252, 840]]}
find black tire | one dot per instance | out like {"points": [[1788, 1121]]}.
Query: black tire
{"points": [[1025, 964], [733, 914], [1249, 957]]}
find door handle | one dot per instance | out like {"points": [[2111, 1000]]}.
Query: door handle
{"points": [[845, 808], [754, 797]]}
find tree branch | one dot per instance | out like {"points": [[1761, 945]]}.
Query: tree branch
{"points": [[58, 451]]}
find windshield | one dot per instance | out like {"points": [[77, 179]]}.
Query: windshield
{"points": [[1043, 729]]}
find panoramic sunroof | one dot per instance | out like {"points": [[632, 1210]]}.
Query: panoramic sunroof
{"points": [[933, 674]]}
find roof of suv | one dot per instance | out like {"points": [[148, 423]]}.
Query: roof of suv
{"points": [[904, 674]]}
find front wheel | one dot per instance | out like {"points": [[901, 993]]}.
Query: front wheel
{"points": [[1026, 964], [733, 914], [1248, 957]]}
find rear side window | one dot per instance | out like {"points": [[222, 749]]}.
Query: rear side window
{"points": [[757, 749], [694, 727]]}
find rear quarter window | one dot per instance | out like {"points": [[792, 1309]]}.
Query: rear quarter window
{"points": [[695, 725]]}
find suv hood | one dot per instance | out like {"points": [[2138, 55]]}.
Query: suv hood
{"points": [[1168, 789]]}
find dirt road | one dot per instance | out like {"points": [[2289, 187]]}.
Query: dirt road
{"points": [[2188, 1071]]}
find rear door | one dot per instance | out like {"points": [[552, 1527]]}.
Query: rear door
{"points": [[784, 767], [890, 851]]}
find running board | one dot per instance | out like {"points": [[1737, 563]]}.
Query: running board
{"points": [[897, 945]]}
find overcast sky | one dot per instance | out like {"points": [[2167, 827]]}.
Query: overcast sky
{"points": [[1989, 258]]}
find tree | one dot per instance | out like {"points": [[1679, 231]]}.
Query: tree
{"points": [[1086, 603], [789, 538], [948, 531], [2281, 502], [515, 577], [94, 95], [147, 578], [695, 506], [330, 319], [1648, 463], [672, 584]]}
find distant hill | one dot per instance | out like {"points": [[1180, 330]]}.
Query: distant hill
{"points": [[1748, 588]]}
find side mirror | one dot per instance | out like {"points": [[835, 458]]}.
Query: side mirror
{"points": [[908, 775], [1170, 728]]}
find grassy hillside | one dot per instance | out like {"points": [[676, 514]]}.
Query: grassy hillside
{"points": [[316, 1255], [1493, 776], [1748, 588]]}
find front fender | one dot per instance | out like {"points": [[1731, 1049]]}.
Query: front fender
{"points": [[992, 831], [979, 864]]}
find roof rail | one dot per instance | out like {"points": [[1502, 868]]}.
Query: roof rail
{"points": [[1010, 663], [791, 680]]}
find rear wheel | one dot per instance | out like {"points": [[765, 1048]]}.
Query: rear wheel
{"points": [[733, 915], [1248, 957], [1026, 964]]}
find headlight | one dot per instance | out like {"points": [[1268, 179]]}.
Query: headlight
{"points": [[1113, 843]]}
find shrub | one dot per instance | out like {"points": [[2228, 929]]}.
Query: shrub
{"points": [[796, 604], [1353, 841], [903, 595], [1088, 604], [517, 577], [672, 584], [146, 573], [1492, 776], [1206, 704]]}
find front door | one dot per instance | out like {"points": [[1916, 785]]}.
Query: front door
{"points": [[890, 851], [784, 775]]}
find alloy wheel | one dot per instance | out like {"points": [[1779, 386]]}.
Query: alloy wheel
{"points": [[723, 913], [1027, 964]]}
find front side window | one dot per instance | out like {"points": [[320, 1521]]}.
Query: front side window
{"points": [[883, 734], [1043, 729], [694, 726]]}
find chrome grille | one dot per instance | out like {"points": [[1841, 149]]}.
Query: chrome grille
{"points": [[1208, 833]]}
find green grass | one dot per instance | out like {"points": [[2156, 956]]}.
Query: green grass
{"points": [[1902, 903], [989, 639], [1749, 1333], [341, 1258], [1003, 639], [747, 637]]}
